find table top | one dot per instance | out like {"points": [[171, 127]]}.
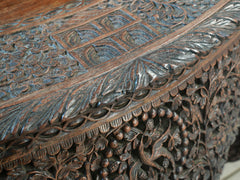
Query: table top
{"points": [[62, 59]]}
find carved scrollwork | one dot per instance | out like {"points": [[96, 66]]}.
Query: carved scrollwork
{"points": [[184, 135], [135, 80], [190, 89]]}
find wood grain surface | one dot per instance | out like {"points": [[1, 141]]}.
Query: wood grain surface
{"points": [[11, 10]]}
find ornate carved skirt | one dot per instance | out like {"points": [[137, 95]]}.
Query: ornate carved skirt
{"points": [[120, 90]]}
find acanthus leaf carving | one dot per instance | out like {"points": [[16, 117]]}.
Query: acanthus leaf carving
{"points": [[204, 116], [145, 72]]}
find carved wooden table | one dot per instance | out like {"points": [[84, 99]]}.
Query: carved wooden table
{"points": [[118, 89]]}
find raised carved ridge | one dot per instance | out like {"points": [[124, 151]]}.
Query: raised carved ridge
{"points": [[183, 135], [22, 23], [146, 73], [37, 43]]}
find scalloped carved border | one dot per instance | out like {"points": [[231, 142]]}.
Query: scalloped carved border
{"points": [[213, 31], [41, 149]]}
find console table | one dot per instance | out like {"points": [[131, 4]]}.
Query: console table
{"points": [[118, 89]]}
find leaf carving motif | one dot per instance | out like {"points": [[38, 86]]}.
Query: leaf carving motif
{"points": [[147, 72], [166, 143], [135, 75], [157, 151]]}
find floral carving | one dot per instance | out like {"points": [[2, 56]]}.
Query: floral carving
{"points": [[133, 81], [183, 130], [186, 136]]}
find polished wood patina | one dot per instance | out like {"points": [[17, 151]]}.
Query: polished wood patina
{"points": [[118, 89]]}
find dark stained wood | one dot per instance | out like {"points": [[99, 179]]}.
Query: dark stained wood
{"points": [[124, 90], [234, 153]]}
